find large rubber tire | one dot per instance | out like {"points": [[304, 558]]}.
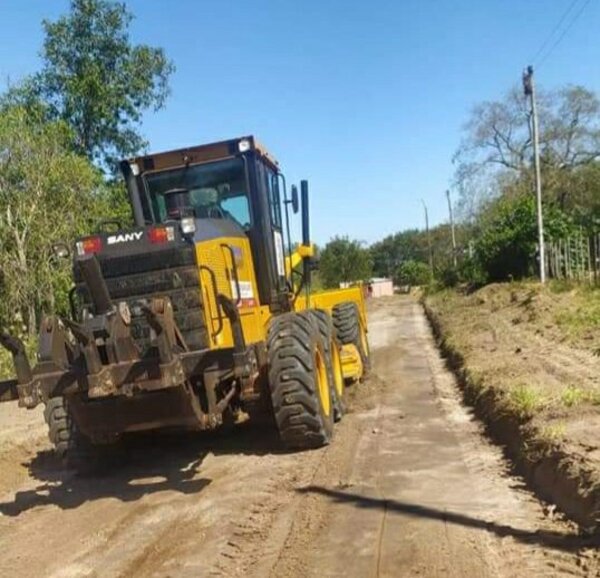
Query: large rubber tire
{"points": [[325, 326], [300, 391], [74, 449], [346, 320]]}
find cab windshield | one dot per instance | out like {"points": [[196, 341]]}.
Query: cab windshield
{"points": [[217, 190]]}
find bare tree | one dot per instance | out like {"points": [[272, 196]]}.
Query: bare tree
{"points": [[497, 134], [571, 132], [496, 150]]}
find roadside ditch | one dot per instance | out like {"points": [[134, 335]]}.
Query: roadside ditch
{"points": [[521, 384]]}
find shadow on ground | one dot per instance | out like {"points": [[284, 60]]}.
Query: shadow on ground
{"points": [[146, 464], [556, 540]]}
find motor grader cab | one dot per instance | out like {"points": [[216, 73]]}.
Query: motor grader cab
{"points": [[200, 311]]}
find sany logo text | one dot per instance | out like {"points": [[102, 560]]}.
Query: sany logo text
{"points": [[124, 237]]}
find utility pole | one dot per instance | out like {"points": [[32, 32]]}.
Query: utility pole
{"points": [[452, 227], [428, 238], [529, 89]]}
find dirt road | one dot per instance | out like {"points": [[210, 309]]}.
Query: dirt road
{"points": [[409, 487]]}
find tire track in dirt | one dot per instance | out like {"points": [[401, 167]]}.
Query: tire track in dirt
{"points": [[403, 512]]}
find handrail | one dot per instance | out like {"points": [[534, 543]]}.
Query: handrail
{"points": [[234, 270], [213, 279]]}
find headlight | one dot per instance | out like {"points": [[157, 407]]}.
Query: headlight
{"points": [[188, 225]]}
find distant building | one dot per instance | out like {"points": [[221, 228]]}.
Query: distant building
{"points": [[380, 287], [376, 287]]}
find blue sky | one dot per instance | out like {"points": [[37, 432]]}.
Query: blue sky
{"points": [[365, 99]]}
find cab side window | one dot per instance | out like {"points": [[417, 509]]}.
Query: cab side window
{"points": [[272, 187]]}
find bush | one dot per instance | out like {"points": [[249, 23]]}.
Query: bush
{"points": [[449, 276], [507, 246], [413, 273], [471, 273]]}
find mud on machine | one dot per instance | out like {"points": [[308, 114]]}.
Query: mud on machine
{"points": [[201, 310]]}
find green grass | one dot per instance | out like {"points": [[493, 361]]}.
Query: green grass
{"points": [[581, 315], [525, 401], [583, 318], [562, 285], [573, 395], [555, 432]]}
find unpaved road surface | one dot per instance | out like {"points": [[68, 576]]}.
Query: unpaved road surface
{"points": [[409, 487]]}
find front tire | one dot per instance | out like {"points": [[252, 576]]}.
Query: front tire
{"points": [[72, 447], [299, 384]]}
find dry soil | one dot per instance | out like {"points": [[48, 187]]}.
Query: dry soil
{"points": [[409, 487]]}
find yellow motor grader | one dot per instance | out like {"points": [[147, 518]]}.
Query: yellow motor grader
{"points": [[200, 311]]}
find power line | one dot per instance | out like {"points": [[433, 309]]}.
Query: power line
{"points": [[564, 33], [554, 30]]}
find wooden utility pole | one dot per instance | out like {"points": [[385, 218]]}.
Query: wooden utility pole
{"points": [[529, 89], [428, 238], [452, 228]]}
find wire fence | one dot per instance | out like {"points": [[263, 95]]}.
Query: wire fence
{"points": [[575, 258]]}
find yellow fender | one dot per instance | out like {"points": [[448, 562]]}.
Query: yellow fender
{"points": [[352, 366]]}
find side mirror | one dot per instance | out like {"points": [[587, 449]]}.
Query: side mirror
{"points": [[61, 251], [295, 202]]}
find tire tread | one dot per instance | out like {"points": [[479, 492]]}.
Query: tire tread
{"points": [[292, 382]]}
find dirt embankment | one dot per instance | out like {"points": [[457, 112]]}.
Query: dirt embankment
{"points": [[528, 361]]}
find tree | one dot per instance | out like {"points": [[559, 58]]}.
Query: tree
{"points": [[495, 177], [506, 246], [390, 252], [47, 194], [96, 80], [343, 260], [497, 134], [497, 146], [413, 245], [413, 273]]}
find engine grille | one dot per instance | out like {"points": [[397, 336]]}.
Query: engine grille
{"points": [[136, 279]]}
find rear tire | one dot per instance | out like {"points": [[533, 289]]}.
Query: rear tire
{"points": [[333, 360], [346, 320], [298, 381], [73, 448]]}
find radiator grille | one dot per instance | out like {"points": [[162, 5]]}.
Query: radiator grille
{"points": [[136, 279]]}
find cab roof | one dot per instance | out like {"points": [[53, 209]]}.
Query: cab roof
{"points": [[202, 153]]}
